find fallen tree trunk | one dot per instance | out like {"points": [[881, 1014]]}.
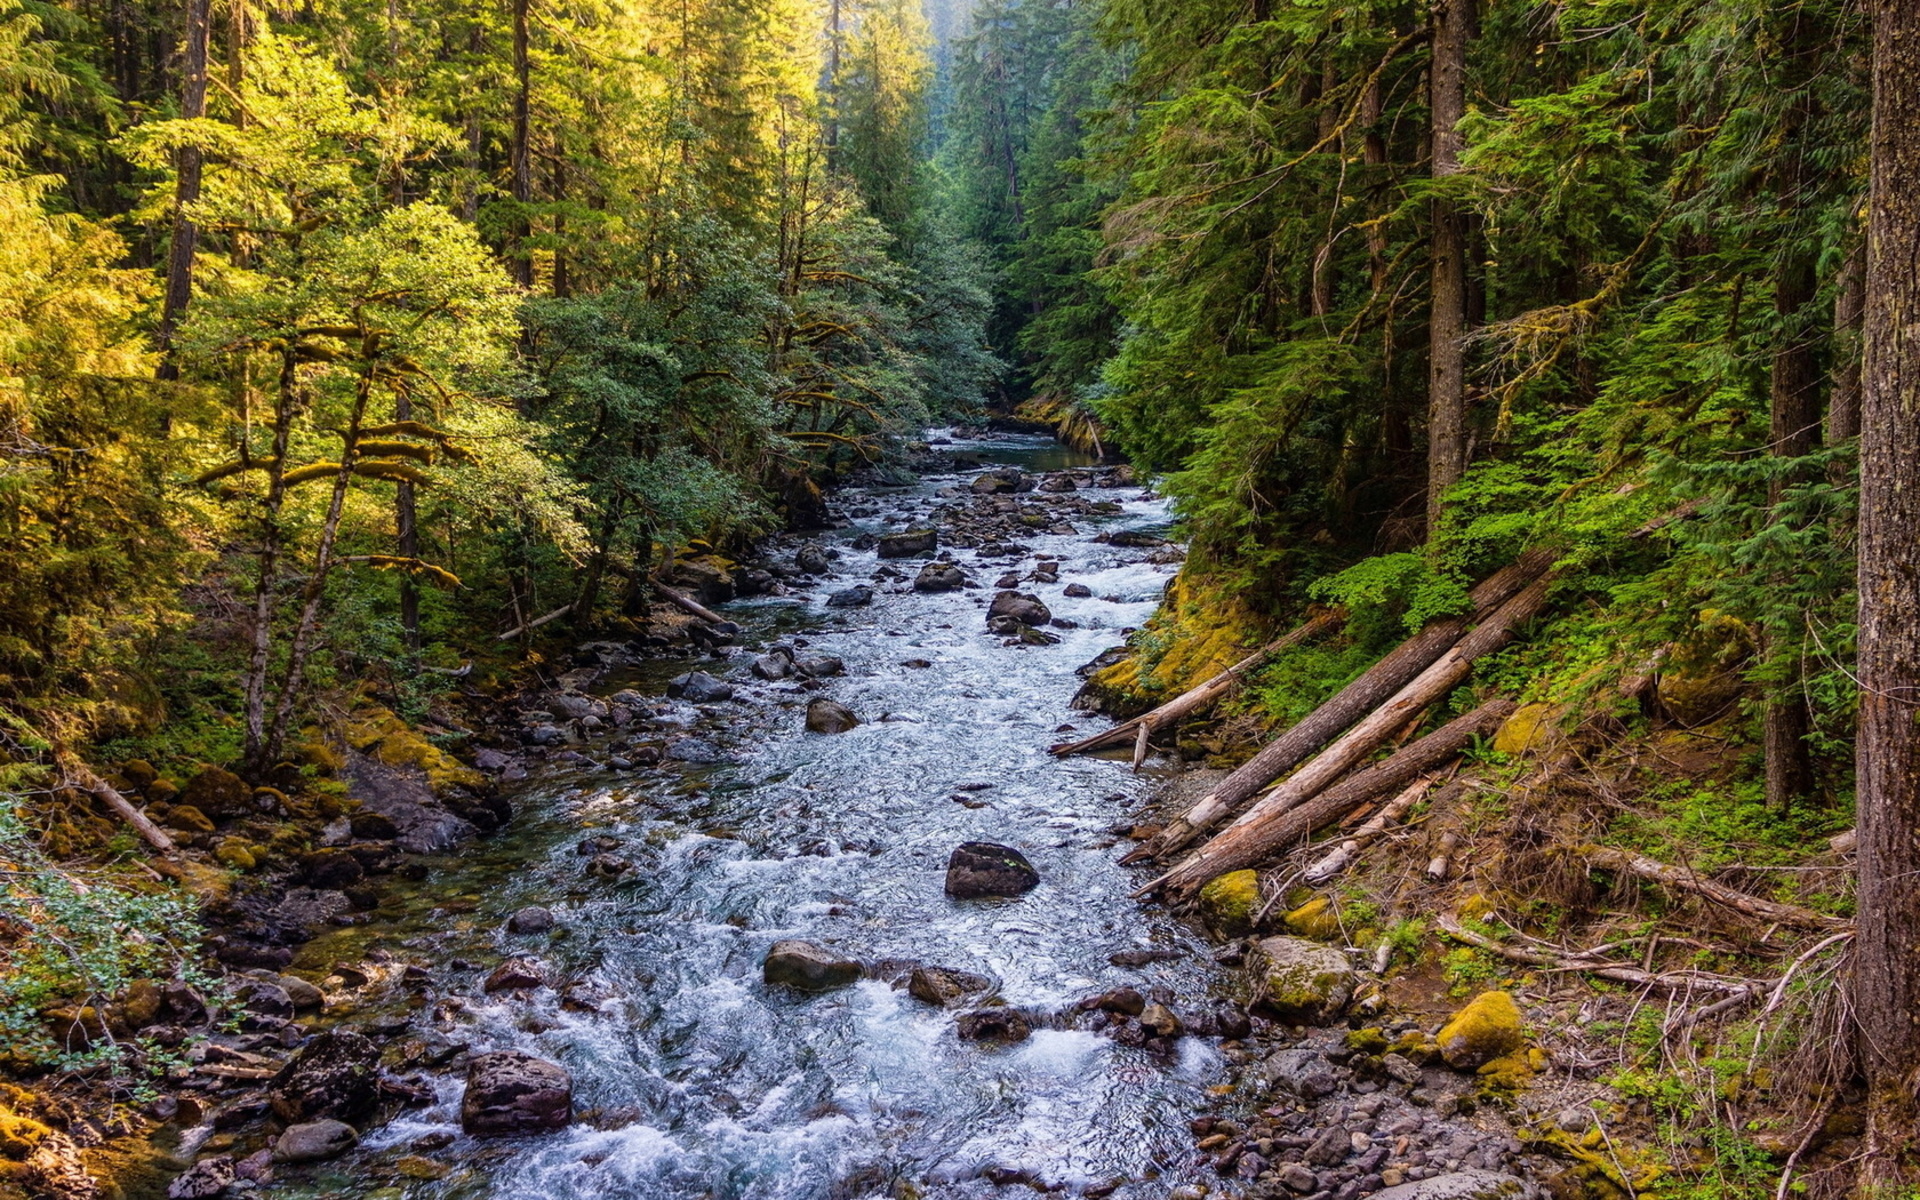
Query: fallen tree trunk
{"points": [[1640, 866], [83, 776], [688, 604], [536, 623], [1364, 695], [1204, 696], [1675, 981], [1342, 856], [1303, 804]]}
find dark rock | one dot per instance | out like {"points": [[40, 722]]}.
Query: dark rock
{"points": [[1158, 1020], [509, 1091], [773, 667], [1009, 580], [822, 667], [1021, 606], [259, 998], [531, 919], [908, 544], [939, 577], [1140, 958], [1297, 1177], [803, 965], [944, 986], [1059, 483], [314, 1141], [1136, 539], [1000, 483], [515, 974], [1124, 1000], [1463, 1185], [978, 869], [373, 827], [217, 793], [857, 596], [812, 560], [1078, 591], [333, 1076], [994, 1025], [302, 994], [829, 716], [206, 1178], [332, 868], [608, 866], [699, 687]]}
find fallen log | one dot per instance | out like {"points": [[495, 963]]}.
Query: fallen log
{"points": [[1342, 856], [1298, 807], [536, 623], [1366, 694], [1204, 696], [1364, 738], [1607, 858], [688, 604], [1671, 981], [82, 776]]}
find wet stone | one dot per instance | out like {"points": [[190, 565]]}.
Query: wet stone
{"points": [[980, 869]]}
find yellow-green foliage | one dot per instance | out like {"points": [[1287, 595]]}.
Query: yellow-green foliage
{"points": [[1229, 904], [1315, 919], [1533, 728], [378, 732], [1489, 1028], [1197, 633]]}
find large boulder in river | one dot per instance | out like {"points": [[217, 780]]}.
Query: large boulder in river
{"points": [[977, 869], [314, 1141], [1000, 483], [1300, 982], [509, 1091], [333, 1077], [1463, 1185], [797, 964], [829, 716], [857, 596], [811, 559], [944, 986], [940, 577], [908, 544], [1023, 607], [699, 687]]}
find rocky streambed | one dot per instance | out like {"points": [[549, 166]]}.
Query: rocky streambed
{"points": [[814, 914]]}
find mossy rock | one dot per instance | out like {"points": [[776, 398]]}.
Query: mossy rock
{"points": [[386, 737], [1300, 982], [1229, 903], [235, 853], [320, 756], [217, 792], [139, 773], [1488, 1028], [161, 789], [1532, 729], [188, 819], [1315, 919]]}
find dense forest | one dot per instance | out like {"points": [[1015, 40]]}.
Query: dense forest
{"points": [[358, 358]]}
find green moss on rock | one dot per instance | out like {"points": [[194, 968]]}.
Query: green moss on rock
{"points": [[1488, 1028], [1229, 904]]}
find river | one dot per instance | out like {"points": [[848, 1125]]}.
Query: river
{"points": [[693, 1078]]}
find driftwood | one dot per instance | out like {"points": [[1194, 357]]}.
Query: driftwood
{"points": [[1305, 803], [536, 623], [1342, 856], [687, 603], [1378, 686], [1200, 698], [82, 776], [1671, 981], [1639, 865]]}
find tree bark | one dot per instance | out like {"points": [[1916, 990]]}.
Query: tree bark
{"points": [[1200, 698], [1430, 686], [1447, 319], [519, 154], [1794, 408], [1298, 807], [406, 521], [1365, 694], [1886, 985], [83, 776], [187, 161], [1843, 407]]}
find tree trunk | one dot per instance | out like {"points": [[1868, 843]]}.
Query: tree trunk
{"points": [[1294, 819], [520, 162], [1886, 986], [406, 522], [1447, 320], [267, 577], [1429, 687], [185, 243], [1200, 698], [1356, 700], [1843, 408], [1794, 405]]}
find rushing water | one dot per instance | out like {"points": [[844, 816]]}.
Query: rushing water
{"points": [[696, 1080]]}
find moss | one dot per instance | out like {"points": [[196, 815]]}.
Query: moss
{"points": [[1367, 1041], [1534, 728], [320, 756], [189, 819], [392, 741], [1488, 1028], [1315, 919], [235, 853], [1229, 904]]}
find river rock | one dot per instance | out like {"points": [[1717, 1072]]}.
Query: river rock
{"points": [[939, 577], [1463, 1185], [812, 560], [803, 965], [509, 1091], [823, 667], [773, 667], [994, 1025], [514, 975], [908, 544], [857, 596], [1126, 1001], [1160, 1021], [1023, 607], [1058, 483], [1000, 483], [531, 919], [1488, 1028], [1079, 591], [829, 716], [332, 1077], [1229, 903], [314, 1141], [217, 793], [1299, 1072], [944, 986], [208, 1177], [333, 868], [1300, 982], [304, 995], [978, 869], [699, 687]]}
